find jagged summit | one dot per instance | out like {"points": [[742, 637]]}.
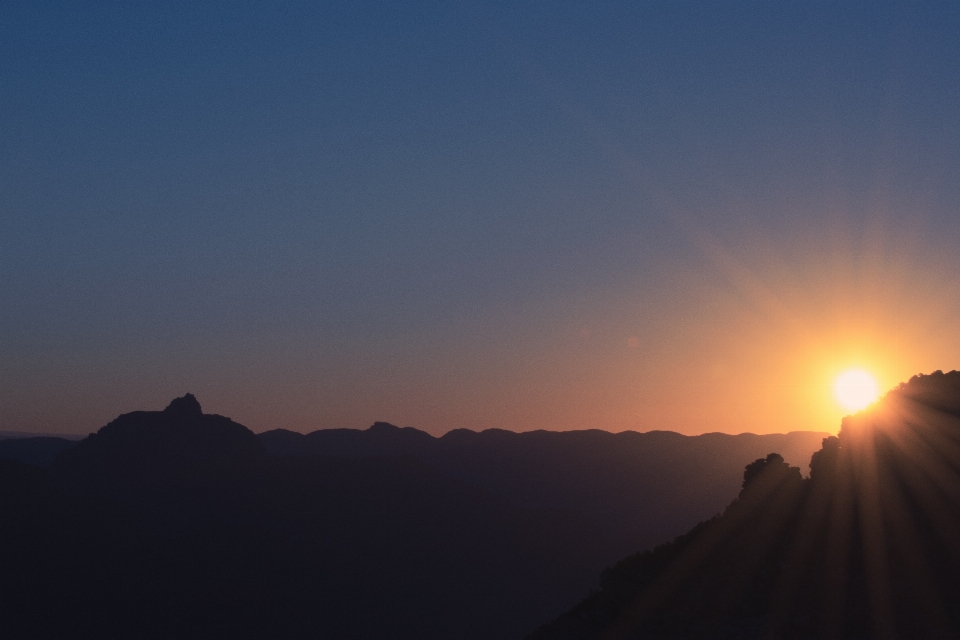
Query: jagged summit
{"points": [[187, 405]]}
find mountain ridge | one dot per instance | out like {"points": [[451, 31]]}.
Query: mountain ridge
{"points": [[622, 479]]}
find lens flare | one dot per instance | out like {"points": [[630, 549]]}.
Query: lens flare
{"points": [[855, 389]]}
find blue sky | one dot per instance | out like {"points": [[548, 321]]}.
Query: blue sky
{"points": [[516, 215]]}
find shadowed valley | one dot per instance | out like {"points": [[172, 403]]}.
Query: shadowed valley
{"points": [[177, 523]]}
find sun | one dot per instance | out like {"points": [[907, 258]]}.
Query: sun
{"points": [[855, 389]]}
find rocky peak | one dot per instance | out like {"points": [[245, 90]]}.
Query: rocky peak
{"points": [[184, 406]]}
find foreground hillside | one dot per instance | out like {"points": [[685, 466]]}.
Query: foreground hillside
{"points": [[867, 546]]}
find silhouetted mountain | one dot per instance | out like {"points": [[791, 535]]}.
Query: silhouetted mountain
{"points": [[40, 451], [649, 486], [868, 546], [156, 448], [176, 524]]}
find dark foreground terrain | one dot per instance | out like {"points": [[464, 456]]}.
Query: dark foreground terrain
{"points": [[647, 487], [867, 547], [179, 524]]}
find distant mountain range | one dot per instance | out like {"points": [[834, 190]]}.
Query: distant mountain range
{"points": [[38, 450], [650, 486], [6, 435], [177, 523]]}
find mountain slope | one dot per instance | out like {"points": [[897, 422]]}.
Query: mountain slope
{"points": [[866, 547]]}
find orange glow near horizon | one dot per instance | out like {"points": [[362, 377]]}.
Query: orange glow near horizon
{"points": [[756, 345]]}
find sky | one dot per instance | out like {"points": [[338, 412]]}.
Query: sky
{"points": [[518, 215]]}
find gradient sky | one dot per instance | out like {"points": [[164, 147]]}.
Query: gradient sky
{"points": [[560, 215]]}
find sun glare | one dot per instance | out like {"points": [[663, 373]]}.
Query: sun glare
{"points": [[855, 389]]}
